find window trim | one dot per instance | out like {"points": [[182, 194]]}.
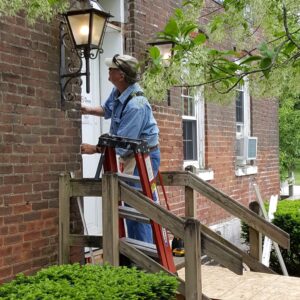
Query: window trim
{"points": [[198, 165]]}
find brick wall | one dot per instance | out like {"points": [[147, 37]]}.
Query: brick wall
{"points": [[38, 141]]}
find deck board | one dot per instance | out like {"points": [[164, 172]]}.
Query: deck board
{"points": [[221, 283]]}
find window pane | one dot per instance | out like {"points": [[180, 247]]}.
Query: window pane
{"points": [[188, 103], [240, 107], [189, 140]]}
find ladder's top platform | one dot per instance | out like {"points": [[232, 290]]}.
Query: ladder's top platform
{"points": [[136, 145]]}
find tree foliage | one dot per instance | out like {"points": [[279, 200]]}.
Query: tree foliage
{"points": [[259, 39], [34, 9], [289, 133]]}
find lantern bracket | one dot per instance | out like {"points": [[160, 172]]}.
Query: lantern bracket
{"points": [[73, 53]]}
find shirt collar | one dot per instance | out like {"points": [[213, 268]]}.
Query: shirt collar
{"points": [[132, 88]]}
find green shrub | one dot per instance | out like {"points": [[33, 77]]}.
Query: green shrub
{"points": [[90, 282], [287, 217]]}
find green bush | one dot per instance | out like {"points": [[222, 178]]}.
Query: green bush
{"points": [[287, 217], [90, 282]]}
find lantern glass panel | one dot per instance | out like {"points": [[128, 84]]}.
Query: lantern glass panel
{"points": [[165, 50], [98, 27], [80, 28]]}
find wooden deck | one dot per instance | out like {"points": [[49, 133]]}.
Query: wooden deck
{"points": [[220, 283]]}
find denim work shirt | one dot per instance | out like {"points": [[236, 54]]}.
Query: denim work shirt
{"points": [[137, 120]]}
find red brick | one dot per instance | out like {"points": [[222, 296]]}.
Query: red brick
{"points": [[21, 267], [12, 239], [32, 216], [13, 219], [4, 211], [5, 189], [20, 209], [31, 236], [22, 188], [5, 251], [5, 272]]}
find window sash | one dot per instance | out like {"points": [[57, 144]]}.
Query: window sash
{"points": [[190, 139]]}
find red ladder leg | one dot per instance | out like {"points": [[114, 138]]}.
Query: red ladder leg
{"points": [[160, 234]]}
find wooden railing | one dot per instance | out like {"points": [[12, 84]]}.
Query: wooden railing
{"points": [[198, 238]]}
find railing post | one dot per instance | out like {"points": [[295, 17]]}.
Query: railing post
{"points": [[255, 237], [64, 218], [110, 217], [190, 203], [192, 245]]}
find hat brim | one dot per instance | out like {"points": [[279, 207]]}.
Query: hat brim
{"points": [[110, 64]]}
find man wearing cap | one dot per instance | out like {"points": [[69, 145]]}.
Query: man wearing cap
{"points": [[131, 117]]}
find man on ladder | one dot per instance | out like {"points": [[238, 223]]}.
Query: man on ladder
{"points": [[131, 117]]}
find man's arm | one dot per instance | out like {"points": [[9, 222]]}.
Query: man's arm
{"points": [[100, 111], [95, 111]]}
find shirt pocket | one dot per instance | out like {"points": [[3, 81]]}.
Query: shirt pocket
{"points": [[115, 122]]}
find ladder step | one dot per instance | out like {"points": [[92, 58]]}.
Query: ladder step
{"points": [[129, 178], [150, 250], [147, 248], [132, 214]]}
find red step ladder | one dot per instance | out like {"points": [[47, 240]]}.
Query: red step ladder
{"points": [[141, 150]]}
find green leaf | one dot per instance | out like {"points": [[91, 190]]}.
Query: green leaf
{"points": [[213, 52], [199, 39], [178, 13], [250, 59], [215, 23], [229, 52], [171, 28], [154, 52], [289, 48], [188, 29], [265, 64]]}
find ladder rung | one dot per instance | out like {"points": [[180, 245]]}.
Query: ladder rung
{"points": [[147, 248], [129, 178], [132, 214]]}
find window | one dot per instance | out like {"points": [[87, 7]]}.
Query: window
{"points": [[189, 126], [242, 110], [193, 127], [246, 146]]}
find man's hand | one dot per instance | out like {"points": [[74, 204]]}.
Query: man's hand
{"points": [[85, 110], [94, 111], [88, 149]]}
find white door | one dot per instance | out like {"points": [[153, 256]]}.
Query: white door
{"points": [[92, 126]]}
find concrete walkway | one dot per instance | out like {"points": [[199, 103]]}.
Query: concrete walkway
{"points": [[285, 191], [221, 283]]}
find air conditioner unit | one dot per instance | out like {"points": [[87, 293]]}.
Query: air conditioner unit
{"points": [[246, 148]]}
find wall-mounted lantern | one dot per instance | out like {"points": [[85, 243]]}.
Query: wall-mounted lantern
{"points": [[85, 24], [166, 51]]}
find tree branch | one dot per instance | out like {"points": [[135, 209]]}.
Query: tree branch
{"points": [[286, 26]]}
